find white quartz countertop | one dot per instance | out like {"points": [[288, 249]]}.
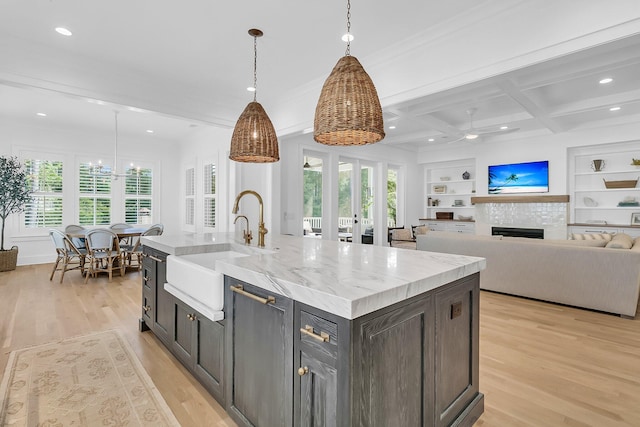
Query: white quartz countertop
{"points": [[346, 279]]}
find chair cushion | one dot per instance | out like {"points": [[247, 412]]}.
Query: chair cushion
{"points": [[592, 236], [401, 234]]}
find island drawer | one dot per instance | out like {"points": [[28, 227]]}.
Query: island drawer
{"points": [[319, 333]]}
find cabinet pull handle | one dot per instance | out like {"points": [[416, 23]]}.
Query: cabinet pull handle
{"points": [[156, 258], [191, 317], [145, 278], [308, 330], [303, 371], [240, 290], [146, 308]]}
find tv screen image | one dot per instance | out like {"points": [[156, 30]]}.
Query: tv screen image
{"points": [[531, 177]]}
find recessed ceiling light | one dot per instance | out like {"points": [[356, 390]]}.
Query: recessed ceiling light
{"points": [[392, 127], [504, 127], [431, 139], [149, 130], [41, 114], [348, 37], [605, 80], [251, 89], [614, 108], [63, 31]]}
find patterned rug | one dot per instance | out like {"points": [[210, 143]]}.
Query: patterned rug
{"points": [[92, 380]]}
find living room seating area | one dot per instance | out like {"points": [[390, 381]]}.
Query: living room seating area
{"points": [[598, 273]]}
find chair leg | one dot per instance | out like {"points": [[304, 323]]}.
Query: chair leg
{"points": [[89, 271], [55, 267], [64, 267]]}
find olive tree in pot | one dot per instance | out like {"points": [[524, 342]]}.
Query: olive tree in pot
{"points": [[14, 194]]}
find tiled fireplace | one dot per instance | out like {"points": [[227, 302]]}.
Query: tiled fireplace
{"points": [[549, 213]]}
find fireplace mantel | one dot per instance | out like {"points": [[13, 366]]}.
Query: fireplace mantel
{"points": [[520, 199]]}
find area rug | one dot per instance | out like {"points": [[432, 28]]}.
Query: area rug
{"points": [[92, 380]]}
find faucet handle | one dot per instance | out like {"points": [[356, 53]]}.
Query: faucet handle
{"points": [[247, 236]]}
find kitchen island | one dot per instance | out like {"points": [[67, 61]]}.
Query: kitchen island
{"points": [[316, 332]]}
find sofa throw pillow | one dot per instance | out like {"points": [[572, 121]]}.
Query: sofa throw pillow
{"points": [[620, 241], [592, 236], [636, 244]]}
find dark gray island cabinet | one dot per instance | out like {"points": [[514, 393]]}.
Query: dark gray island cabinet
{"points": [[414, 363]]}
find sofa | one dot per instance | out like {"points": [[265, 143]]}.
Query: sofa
{"points": [[580, 273]]}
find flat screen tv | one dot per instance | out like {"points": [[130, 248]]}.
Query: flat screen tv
{"points": [[531, 177]]}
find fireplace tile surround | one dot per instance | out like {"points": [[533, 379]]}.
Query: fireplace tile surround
{"points": [[549, 213]]}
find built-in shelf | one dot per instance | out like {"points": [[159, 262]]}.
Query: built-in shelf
{"points": [[603, 225], [521, 199], [608, 208], [610, 172], [607, 190], [455, 187], [587, 184]]}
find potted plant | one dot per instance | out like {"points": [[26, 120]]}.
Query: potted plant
{"points": [[14, 194]]}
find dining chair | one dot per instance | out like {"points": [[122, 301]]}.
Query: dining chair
{"points": [[103, 250], [132, 256], [72, 257], [118, 227], [79, 242], [159, 226]]}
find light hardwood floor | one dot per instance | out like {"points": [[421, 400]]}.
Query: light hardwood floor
{"points": [[540, 364]]}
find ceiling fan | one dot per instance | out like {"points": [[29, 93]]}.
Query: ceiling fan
{"points": [[472, 133]]}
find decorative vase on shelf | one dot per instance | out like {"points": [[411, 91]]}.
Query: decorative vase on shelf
{"points": [[466, 175]]}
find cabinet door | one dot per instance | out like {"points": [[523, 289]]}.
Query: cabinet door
{"points": [[183, 335], [318, 392], [259, 388], [457, 349], [394, 381], [208, 363], [163, 318], [148, 292]]}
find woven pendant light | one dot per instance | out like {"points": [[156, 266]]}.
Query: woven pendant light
{"points": [[254, 139], [348, 111]]}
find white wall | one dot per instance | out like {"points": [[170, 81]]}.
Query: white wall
{"points": [[233, 177], [35, 246]]}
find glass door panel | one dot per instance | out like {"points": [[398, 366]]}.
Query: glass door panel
{"points": [[312, 197], [347, 227], [367, 202]]}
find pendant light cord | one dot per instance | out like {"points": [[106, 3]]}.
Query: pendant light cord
{"points": [[348, 51], [255, 67]]}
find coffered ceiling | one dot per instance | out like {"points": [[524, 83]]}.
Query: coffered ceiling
{"points": [[178, 66]]}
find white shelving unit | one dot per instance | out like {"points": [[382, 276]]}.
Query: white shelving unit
{"points": [[444, 183], [591, 201]]}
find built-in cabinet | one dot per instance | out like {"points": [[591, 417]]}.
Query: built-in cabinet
{"points": [[452, 226], [413, 363], [596, 203], [449, 187], [156, 302], [274, 361], [195, 340]]}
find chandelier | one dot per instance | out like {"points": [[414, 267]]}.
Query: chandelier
{"points": [[101, 170], [348, 111], [254, 139]]}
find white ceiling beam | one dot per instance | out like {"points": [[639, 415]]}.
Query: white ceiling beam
{"points": [[531, 107], [599, 103]]}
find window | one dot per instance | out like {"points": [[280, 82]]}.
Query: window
{"points": [[45, 183], [138, 196], [209, 179], [95, 196], [190, 194]]}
